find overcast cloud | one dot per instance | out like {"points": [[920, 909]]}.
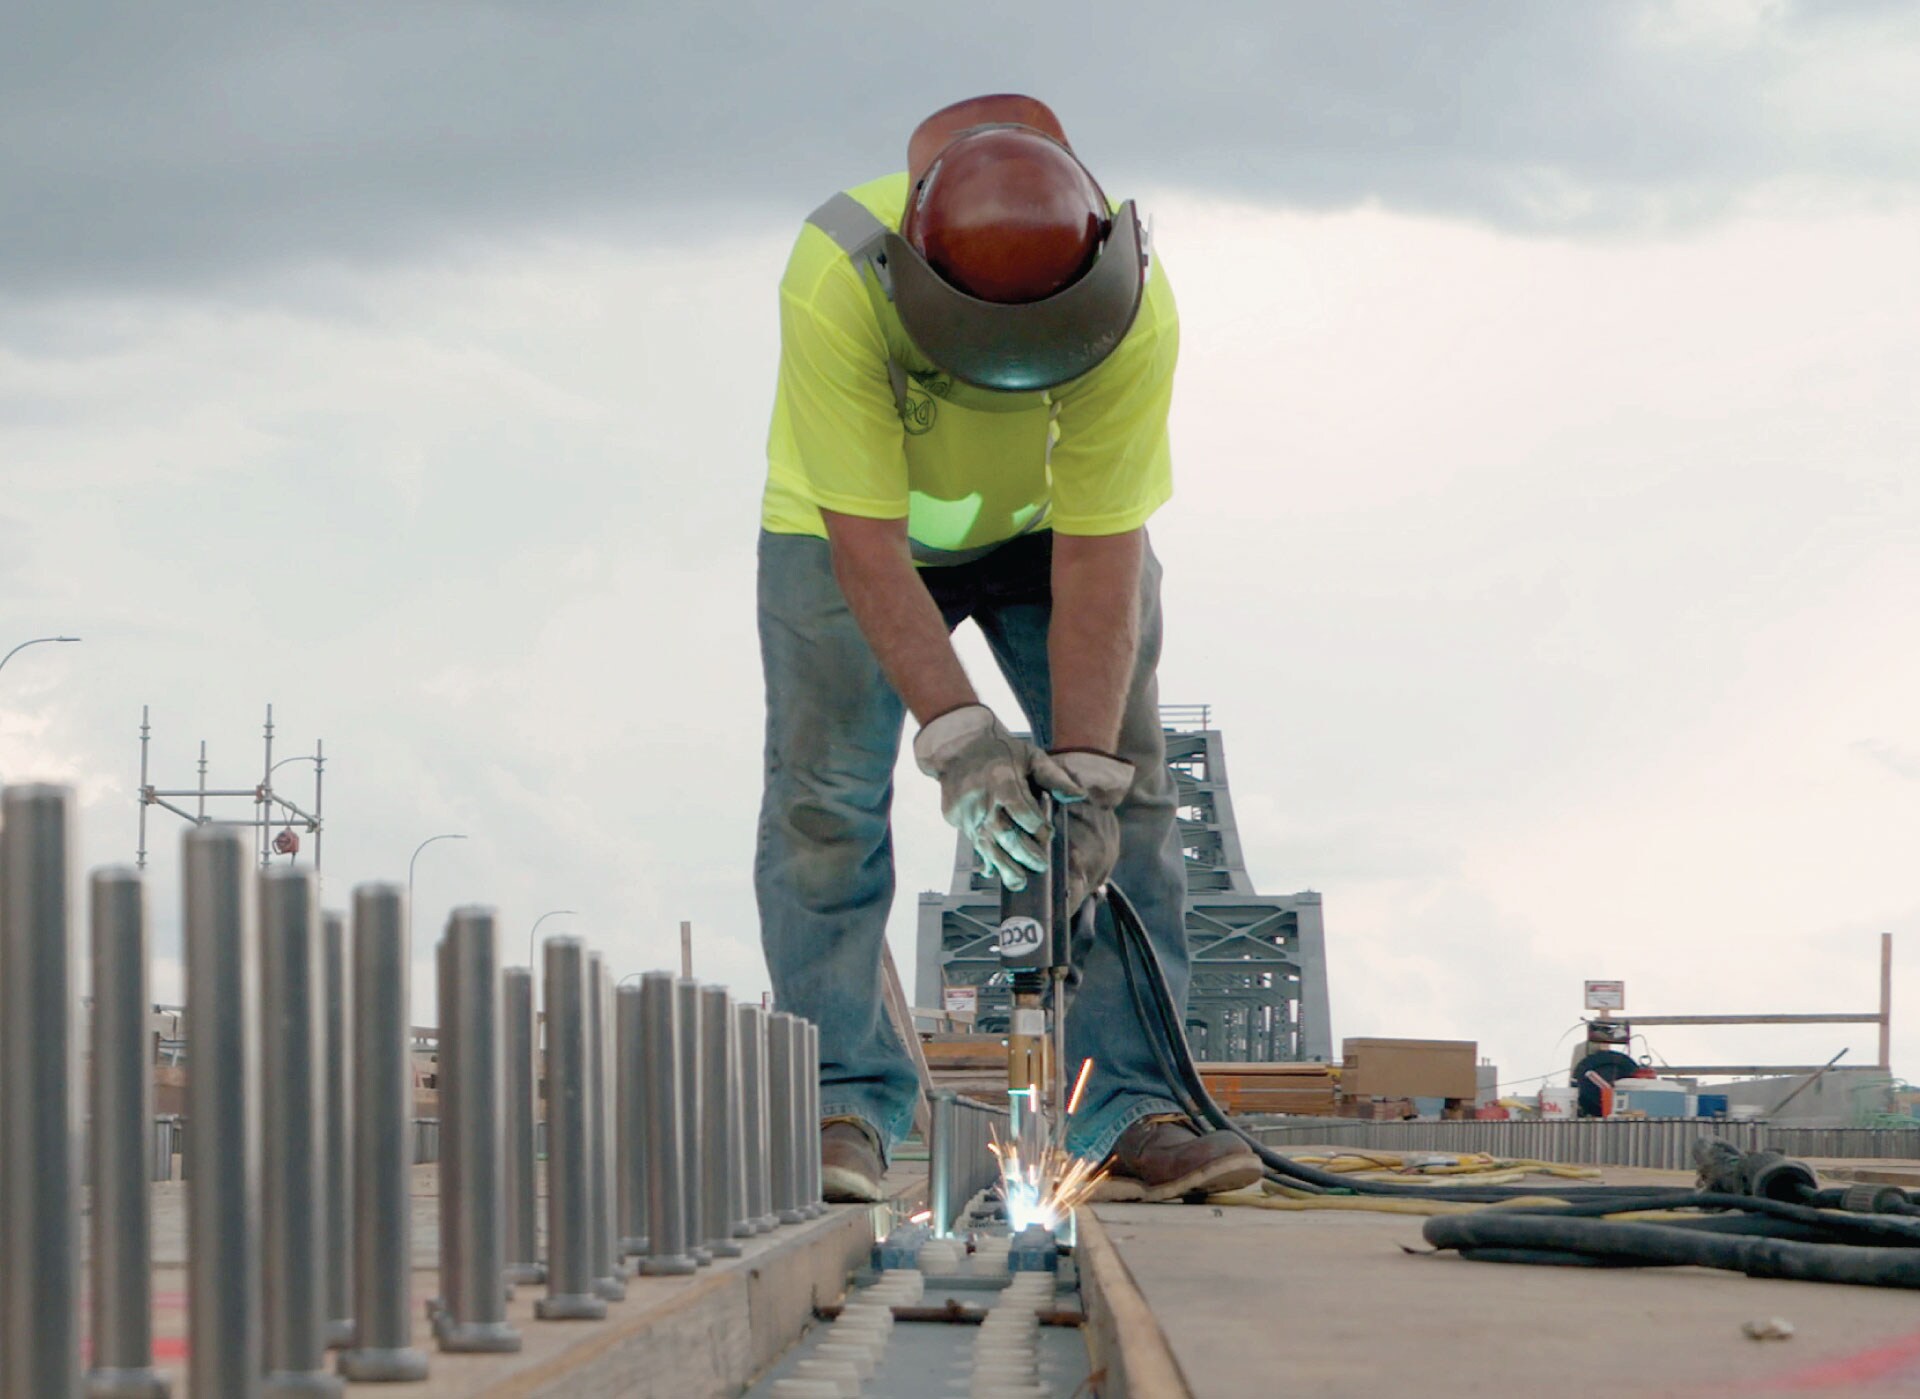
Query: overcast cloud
{"points": [[1547, 528], [143, 145]]}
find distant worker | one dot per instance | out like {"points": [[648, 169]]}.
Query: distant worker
{"points": [[976, 362]]}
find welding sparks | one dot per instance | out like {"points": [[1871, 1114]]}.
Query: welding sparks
{"points": [[1046, 1187]]}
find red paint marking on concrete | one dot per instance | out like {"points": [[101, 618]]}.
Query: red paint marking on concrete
{"points": [[170, 1348], [1893, 1360]]}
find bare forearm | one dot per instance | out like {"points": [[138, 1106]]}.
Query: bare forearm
{"points": [[1093, 636], [873, 565]]}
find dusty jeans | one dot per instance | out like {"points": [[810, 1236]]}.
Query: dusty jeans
{"points": [[823, 872]]}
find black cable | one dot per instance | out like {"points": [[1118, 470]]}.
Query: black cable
{"points": [[1616, 1242], [1153, 1002], [1750, 1233]]}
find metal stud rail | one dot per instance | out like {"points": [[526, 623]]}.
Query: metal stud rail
{"points": [[521, 1182], [295, 1151], [667, 1244], [718, 1161], [40, 1149], [336, 1189], [958, 1162], [784, 1146], [756, 1119], [630, 1214], [570, 1295], [122, 1111], [472, 1228], [807, 1092], [383, 1346], [693, 1186], [223, 1147], [1658, 1144], [678, 1126], [608, 1274]]}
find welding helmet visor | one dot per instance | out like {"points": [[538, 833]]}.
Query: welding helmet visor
{"points": [[1021, 347]]}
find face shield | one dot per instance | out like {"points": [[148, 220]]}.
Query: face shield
{"points": [[1026, 346]]}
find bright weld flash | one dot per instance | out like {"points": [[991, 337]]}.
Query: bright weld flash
{"points": [[1046, 1190]]}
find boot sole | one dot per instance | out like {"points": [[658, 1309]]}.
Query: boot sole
{"points": [[1214, 1178], [842, 1186]]}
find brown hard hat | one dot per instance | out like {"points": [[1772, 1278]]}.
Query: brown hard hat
{"points": [[1006, 214], [1009, 269], [996, 109]]}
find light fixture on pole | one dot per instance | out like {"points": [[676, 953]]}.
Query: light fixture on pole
{"points": [[533, 966], [410, 863], [37, 641]]}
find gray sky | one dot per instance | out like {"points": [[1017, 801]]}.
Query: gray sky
{"points": [[1547, 514], [148, 146]]}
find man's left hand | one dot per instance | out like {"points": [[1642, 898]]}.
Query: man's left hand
{"points": [[1093, 828]]}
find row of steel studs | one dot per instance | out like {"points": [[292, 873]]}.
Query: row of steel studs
{"points": [[678, 1124]]}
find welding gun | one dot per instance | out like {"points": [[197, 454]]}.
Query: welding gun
{"points": [[1035, 930]]}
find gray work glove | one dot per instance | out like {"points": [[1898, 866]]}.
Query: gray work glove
{"points": [[987, 778], [1093, 828]]}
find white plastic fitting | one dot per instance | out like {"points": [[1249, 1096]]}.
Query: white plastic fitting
{"points": [[858, 1356], [796, 1388], [839, 1372]]}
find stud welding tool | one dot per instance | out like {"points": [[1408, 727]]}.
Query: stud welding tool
{"points": [[1034, 944]]}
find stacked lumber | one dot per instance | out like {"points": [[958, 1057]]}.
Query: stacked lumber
{"points": [[1377, 1109], [975, 1065], [1308, 1090]]}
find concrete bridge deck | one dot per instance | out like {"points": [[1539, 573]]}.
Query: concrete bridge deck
{"points": [[1324, 1305]]}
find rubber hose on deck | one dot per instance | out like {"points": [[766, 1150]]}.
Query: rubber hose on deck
{"points": [[1153, 1003], [1658, 1245]]}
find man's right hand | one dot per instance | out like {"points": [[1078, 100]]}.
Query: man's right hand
{"points": [[987, 778]]}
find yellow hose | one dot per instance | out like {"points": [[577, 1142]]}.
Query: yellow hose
{"points": [[1274, 1196], [1397, 1167]]}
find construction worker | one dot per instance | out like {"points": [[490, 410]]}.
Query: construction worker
{"points": [[976, 362]]}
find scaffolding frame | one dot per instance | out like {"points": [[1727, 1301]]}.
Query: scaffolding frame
{"points": [[272, 811]]}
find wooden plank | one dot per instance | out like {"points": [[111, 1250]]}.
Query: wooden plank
{"points": [[901, 1010], [1131, 1357]]}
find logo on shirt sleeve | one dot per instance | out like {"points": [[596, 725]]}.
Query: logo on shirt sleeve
{"points": [[917, 411], [918, 408]]}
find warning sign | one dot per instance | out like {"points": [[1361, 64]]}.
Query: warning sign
{"points": [[1606, 995], [962, 1000]]}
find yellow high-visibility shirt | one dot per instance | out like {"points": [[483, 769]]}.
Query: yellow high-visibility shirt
{"points": [[967, 468]]}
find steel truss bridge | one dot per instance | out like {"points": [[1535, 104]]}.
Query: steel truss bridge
{"points": [[1259, 988]]}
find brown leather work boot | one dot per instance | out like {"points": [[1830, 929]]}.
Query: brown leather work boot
{"points": [[850, 1164], [1168, 1158]]}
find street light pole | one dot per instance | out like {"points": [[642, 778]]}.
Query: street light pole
{"points": [[410, 863], [532, 965], [38, 640]]}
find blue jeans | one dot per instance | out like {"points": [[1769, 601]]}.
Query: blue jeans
{"points": [[823, 872]]}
